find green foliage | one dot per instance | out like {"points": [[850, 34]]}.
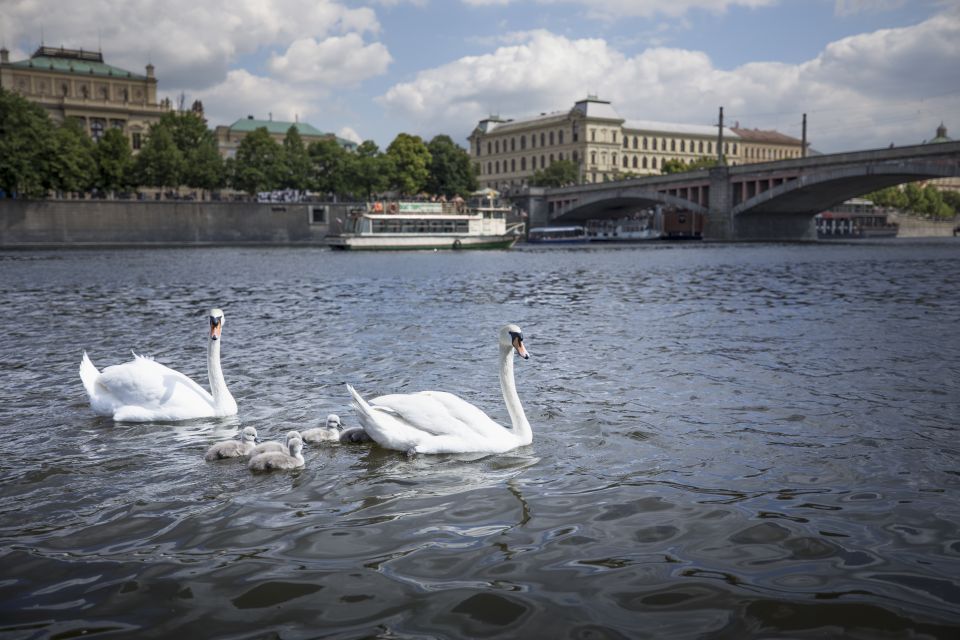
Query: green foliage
{"points": [[451, 171], [73, 166], [296, 161], [366, 170], [558, 174], [159, 163], [675, 165], [27, 146], [259, 164], [408, 164], [328, 166], [114, 162], [925, 201]]}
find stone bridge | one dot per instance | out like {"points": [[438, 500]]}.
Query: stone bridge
{"points": [[762, 201]]}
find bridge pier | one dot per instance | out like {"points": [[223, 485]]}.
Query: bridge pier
{"points": [[719, 225]]}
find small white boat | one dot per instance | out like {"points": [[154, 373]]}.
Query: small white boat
{"points": [[568, 234], [623, 230], [394, 225]]}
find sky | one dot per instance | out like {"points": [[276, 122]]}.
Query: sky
{"points": [[867, 73]]}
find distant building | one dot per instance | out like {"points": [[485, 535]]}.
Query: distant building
{"points": [[604, 146], [949, 184], [78, 84], [229, 137]]}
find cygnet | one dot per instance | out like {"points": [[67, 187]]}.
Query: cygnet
{"points": [[233, 448], [275, 460], [273, 445]]}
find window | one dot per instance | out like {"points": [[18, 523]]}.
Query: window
{"points": [[734, 148], [626, 142], [653, 163], [644, 143], [551, 138], [489, 147], [635, 142], [523, 142], [576, 131], [700, 150], [96, 129], [496, 146], [593, 135], [635, 162], [542, 139], [673, 144], [533, 140], [625, 162], [709, 147], [496, 166], [117, 124], [683, 145], [560, 136], [593, 157], [513, 164], [543, 161], [644, 163], [513, 144], [489, 167], [64, 89], [318, 215], [136, 140]]}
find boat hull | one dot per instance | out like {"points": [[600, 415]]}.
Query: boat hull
{"points": [[406, 242]]}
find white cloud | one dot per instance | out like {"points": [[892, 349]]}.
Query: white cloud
{"points": [[192, 44], [337, 60], [861, 91], [852, 7], [612, 9], [347, 133]]}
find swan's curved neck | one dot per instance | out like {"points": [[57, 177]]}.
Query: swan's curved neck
{"points": [[521, 428], [223, 401]]}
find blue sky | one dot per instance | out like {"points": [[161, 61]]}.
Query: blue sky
{"points": [[867, 72]]}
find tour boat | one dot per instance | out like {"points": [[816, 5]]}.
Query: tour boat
{"points": [[396, 225], [623, 230]]}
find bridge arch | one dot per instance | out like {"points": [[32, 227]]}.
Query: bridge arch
{"points": [[612, 204], [811, 193]]}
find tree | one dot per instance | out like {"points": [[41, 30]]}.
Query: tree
{"points": [[202, 166], [328, 166], [259, 164], [74, 166], [366, 170], [409, 164], [296, 159], [114, 162], [675, 165], [451, 171], [159, 163], [27, 146], [558, 174]]}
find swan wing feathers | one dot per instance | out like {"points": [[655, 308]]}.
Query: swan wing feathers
{"points": [[437, 413], [143, 390]]}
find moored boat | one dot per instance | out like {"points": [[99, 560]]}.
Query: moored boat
{"points": [[398, 225], [568, 234], [855, 218]]}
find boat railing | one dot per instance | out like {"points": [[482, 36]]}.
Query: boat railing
{"points": [[417, 206]]}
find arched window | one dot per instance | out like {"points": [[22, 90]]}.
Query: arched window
{"points": [[523, 142], [533, 140], [543, 161], [673, 144], [523, 161], [496, 146], [644, 162], [551, 158], [560, 136], [644, 143], [513, 144], [683, 145], [551, 139], [625, 162], [734, 148], [489, 148], [613, 159], [709, 147], [593, 157], [634, 162], [593, 135], [513, 165], [542, 139], [635, 139], [653, 163], [626, 142], [489, 168], [700, 147]]}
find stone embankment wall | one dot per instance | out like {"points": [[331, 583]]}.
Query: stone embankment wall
{"points": [[78, 223], [913, 227]]}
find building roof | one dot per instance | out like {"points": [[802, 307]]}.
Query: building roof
{"points": [[280, 127], [594, 107], [941, 135], [75, 61], [706, 130], [766, 137]]}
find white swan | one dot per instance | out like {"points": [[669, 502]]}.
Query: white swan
{"points": [[273, 460], [273, 445], [143, 390], [439, 422], [233, 448]]}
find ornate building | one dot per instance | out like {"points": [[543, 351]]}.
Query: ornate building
{"points": [[78, 84], [604, 146], [229, 136]]}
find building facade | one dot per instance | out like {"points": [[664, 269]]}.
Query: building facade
{"points": [[604, 146], [79, 85], [229, 136]]}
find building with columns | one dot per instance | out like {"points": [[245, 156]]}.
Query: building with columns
{"points": [[605, 146], [78, 84]]}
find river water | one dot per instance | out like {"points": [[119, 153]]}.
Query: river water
{"points": [[743, 441]]}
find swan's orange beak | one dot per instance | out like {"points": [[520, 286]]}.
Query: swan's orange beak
{"points": [[521, 350], [216, 326]]}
